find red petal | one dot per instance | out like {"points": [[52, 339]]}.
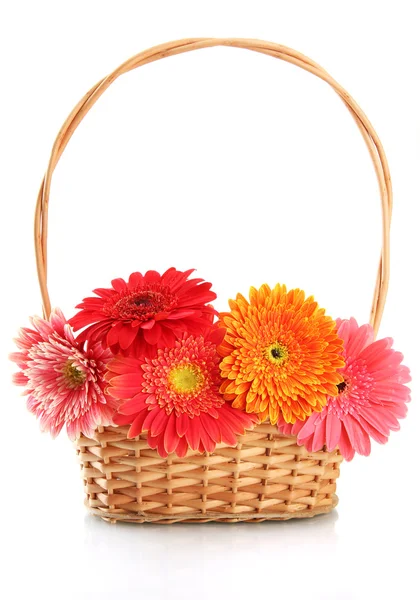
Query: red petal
{"points": [[182, 447], [150, 419], [152, 277], [120, 419], [121, 366], [127, 335], [198, 297], [180, 314], [104, 292], [148, 324], [167, 338], [159, 423], [182, 423], [135, 280], [119, 285], [197, 290], [131, 381], [80, 320], [114, 334], [137, 426], [207, 442], [94, 333], [193, 433], [174, 279], [216, 335], [153, 335], [133, 406], [171, 438], [212, 427]]}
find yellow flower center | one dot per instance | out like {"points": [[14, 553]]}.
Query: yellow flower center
{"points": [[186, 379], [74, 376], [276, 353]]}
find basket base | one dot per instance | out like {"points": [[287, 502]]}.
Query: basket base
{"points": [[114, 517]]}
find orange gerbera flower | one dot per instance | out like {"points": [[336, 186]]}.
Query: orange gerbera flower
{"points": [[280, 354]]}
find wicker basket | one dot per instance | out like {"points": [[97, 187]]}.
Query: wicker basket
{"points": [[267, 475]]}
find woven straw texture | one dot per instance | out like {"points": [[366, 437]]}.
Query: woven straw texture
{"points": [[267, 476]]}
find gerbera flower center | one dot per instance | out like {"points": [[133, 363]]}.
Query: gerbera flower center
{"points": [[342, 387], [276, 353], [74, 377], [186, 379], [142, 304]]}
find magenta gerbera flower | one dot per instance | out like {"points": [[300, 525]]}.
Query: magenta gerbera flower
{"points": [[174, 396], [64, 383], [371, 398], [150, 309]]}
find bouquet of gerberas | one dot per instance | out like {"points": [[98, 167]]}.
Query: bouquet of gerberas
{"points": [[153, 354]]}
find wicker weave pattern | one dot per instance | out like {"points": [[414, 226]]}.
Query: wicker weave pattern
{"points": [[266, 476]]}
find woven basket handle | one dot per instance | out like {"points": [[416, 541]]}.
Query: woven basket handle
{"points": [[178, 47]]}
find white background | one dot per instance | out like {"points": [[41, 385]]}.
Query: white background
{"points": [[251, 171]]}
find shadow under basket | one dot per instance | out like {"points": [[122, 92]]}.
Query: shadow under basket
{"points": [[267, 476]]}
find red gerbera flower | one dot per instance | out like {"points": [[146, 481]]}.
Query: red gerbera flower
{"points": [[149, 309], [175, 397]]}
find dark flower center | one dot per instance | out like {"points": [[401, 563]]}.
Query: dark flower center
{"points": [[141, 305], [276, 353], [341, 387], [143, 300]]}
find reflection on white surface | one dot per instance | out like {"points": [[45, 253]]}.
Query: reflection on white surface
{"points": [[189, 539], [212, 559], [62, 553]]}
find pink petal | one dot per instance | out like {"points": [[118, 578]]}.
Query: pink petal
{"points": [[359, 439], [359, 338], [345, 445], [319, 437], [332, 431]]}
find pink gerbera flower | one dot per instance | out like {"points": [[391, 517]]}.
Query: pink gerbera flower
{"points": [[64, 383], [371, 399], [174, 396], [149, 309]]}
